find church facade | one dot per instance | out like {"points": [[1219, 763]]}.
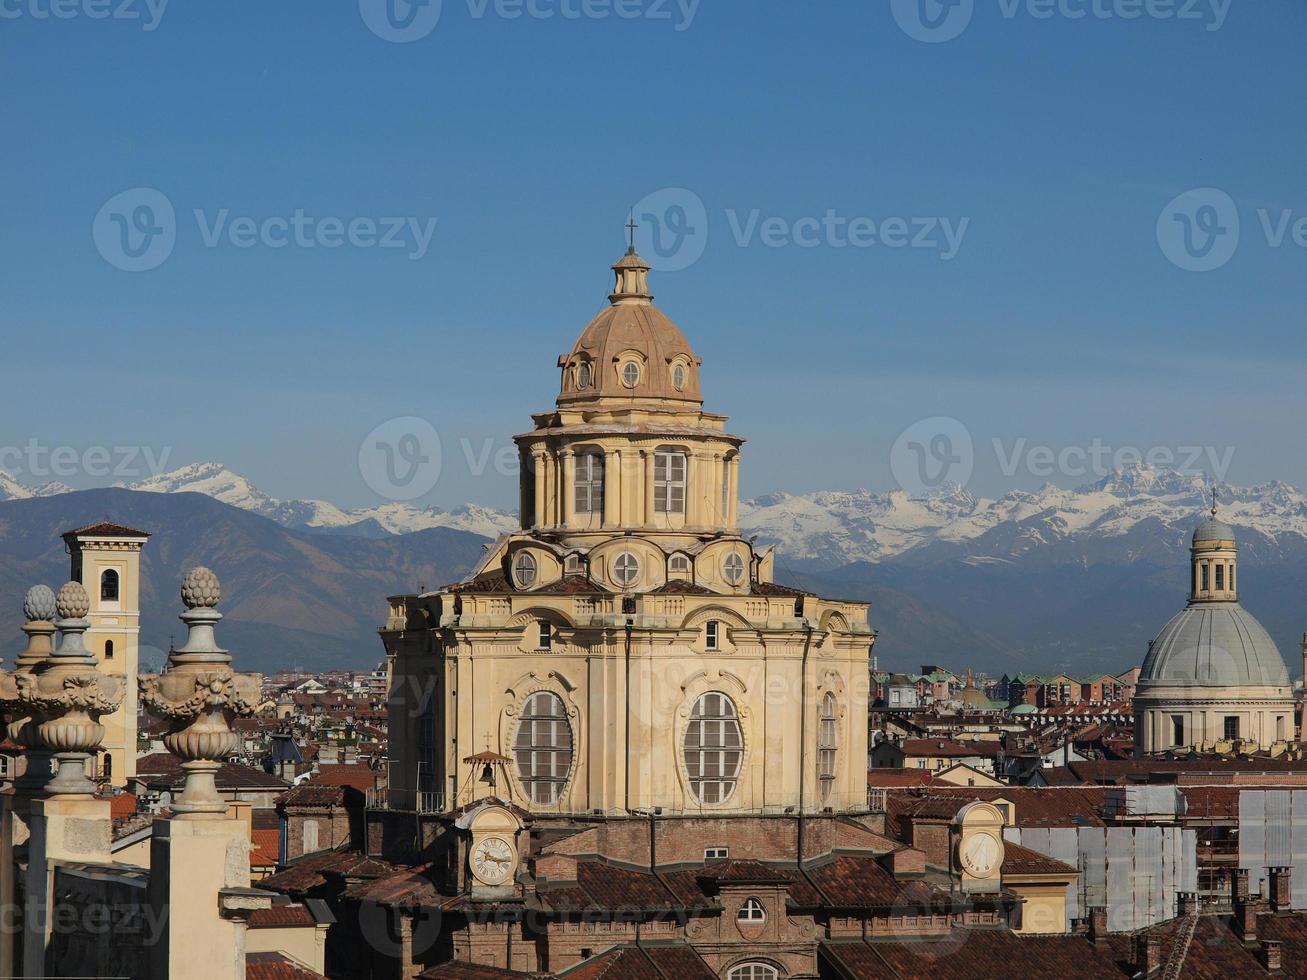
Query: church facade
{"points": [[628, 649]]}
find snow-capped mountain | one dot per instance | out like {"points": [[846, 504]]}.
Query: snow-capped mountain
{"points": [[842, 527], [11, 489], [215, 480]]}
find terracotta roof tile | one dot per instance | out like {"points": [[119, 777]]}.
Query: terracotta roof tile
{"points": [[973, 954], [1018, 860], [106, 529], [276, 966], [280, 916]]}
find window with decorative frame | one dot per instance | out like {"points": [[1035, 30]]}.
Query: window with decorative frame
{"points": [[733, 568], [524, 569], [712, 634], [546, 636], [827, 744], [753, 971], [543, 748], [669, 481], [714, 748], [626, 569], [583, 374], [678, 566], [589, 483], [751, 911]]}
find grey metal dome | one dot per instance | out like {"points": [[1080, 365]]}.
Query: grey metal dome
{"points": [[1215, 644], [1213, 530]]}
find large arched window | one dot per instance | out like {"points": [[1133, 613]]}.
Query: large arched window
{"points": [[589, 483], [753, 971], [827, 742], [713, 747], [109, 586], [543, 747], [669, 481]]}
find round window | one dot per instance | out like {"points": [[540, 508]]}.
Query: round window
{"points": [[630, 374], [524, 569], [678, 376], [583, 375], [626, 570], [733, 568]]}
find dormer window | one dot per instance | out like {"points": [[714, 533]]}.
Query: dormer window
{"points": [[524, 569], [583, 375], [630, 374], [733, 568], [678, 377], [752, 911]]}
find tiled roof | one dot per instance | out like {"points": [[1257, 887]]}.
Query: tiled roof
{"points": [[406, 888], [605, 887], [276, 966], [973, 954], [744, 872], [280, 916], [471, 971], [314, 871], [1018, 860], [643, 963], [309, 794], [679, 586], [106, 529], [950, 747], [265, 846], [1071, 806], [773, 589], [898, 777], [849, 881], [163, 769]]}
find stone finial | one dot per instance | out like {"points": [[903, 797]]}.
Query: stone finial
{"points": [[64, 702], [39, 604], [199, 696], [201, 589], [72, 601]]}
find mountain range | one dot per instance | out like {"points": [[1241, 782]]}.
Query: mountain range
{"points": [[1061, 579]]}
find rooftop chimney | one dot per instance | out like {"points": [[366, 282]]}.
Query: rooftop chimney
{"points": [[1098, 925], [1245, 919], [1239, 889], [1188, 903], [1281, 889], [1148, 953], [1270, 956]]}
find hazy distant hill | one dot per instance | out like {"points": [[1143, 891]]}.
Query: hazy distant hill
{"points": [[290, 598]]}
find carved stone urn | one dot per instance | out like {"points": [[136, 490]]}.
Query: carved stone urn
{"points": [[39, 612], [199, 695], [66, 696]]}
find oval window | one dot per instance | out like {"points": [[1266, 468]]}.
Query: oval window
{"points": [[714, 748], [524, 569], [733, 568], [630, 374], [583, 375], [678, 376], [543, 748]]}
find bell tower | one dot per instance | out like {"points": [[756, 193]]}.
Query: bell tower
{"points": [[106, 560]]}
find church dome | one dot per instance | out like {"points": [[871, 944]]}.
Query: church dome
{"points": [[1213, 529], [630, 350], [1214, 644]]}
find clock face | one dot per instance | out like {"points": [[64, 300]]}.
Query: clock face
{"points": [[981, 854], [492, 860]]}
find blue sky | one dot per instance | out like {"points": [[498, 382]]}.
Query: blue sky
{"points": [[1055, 144]]}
